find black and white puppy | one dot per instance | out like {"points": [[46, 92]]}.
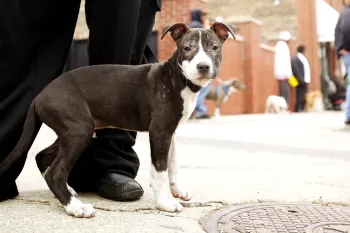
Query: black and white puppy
{"points": [[156, 98]]}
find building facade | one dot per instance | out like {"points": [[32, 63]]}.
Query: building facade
{"points": [[250, 57]]}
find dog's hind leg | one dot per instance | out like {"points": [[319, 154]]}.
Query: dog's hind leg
{"points": [[45, 158], [173, 164], [160, 140], [276, 108], [71, 144], [267, 107]]}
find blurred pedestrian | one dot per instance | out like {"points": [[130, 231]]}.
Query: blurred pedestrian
{"points": [[301, 71], [342, 48], [282, 64]]}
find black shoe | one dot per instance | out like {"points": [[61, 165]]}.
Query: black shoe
{"points": [[347, 122], [118, 187], [11, 192]]}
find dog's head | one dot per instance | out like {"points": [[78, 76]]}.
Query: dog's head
{"points": [[313, 94], [236, 85], [199, 51]]}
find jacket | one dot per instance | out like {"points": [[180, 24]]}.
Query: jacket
{"points": [[298, 69], [282, 65], [342, 31]]}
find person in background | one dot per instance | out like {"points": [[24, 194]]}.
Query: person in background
{"points": [[282, 64], [342, 48], [35, 38], [301, 71], [200, 111]]}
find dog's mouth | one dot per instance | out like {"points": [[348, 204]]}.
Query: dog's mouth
{"points": [[202, 79], [205, 78]]}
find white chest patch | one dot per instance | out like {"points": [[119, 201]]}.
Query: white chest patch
{"points": [[190, 99]]}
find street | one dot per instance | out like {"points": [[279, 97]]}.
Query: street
{"points": [[297, 158]]}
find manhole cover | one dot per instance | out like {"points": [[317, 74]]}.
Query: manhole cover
{"points": [[273, 218]]}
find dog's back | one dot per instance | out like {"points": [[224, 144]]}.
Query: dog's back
{"points": [[275, 104], [224, 90]]}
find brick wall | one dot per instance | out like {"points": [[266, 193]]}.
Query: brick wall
{"points": [[232, 67], [174, 11], [266, 80], [307, 35]]}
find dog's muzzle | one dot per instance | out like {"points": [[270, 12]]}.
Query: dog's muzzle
{"points": [[203, 68]]}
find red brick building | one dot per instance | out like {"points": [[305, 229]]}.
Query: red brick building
{"points": [[250, 57]]}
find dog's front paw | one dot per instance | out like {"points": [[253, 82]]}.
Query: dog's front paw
{"points": [[80, 210], [169, 205], [179, 193]]}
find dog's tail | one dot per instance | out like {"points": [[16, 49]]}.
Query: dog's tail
{"points": [[30, 130]]}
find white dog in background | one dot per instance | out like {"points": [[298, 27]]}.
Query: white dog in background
{"points": [[276, 104]]}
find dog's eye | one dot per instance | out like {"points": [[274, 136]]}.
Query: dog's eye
{"points": [[215, 47], [187, 48]]}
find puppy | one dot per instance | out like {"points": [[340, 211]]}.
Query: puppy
{"points": [[154, 98], [276, 104]]}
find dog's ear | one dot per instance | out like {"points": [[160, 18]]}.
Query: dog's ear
{"points": [[177, 30], [222, 30]]}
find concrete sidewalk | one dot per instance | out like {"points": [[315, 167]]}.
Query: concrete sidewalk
{"points": [[240, 159]]}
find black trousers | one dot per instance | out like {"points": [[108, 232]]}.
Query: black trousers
{"points": [[300, 95], [35, 38], [284, 89]]}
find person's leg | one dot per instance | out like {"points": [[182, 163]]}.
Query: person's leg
{"points": [[119, 31], [304, 90], [284, 90], [347, 99], [30, 33], [280, 88], [300, 92], [201, 109], [346, 60], [297, 101]]}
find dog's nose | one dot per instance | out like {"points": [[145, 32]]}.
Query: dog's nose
{"points": [[203, 67]]}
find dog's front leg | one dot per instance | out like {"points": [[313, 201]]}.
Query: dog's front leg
{"points": [[276, 107], [160, 141], [173, 164]]}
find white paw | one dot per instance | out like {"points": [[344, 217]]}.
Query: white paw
{"points": [[80, 210], [169, 205], [179, 193], [72, 191]]}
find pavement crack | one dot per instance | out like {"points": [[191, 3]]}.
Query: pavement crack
{"points": [[203, 204], [136, 210], [33, 201]]}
